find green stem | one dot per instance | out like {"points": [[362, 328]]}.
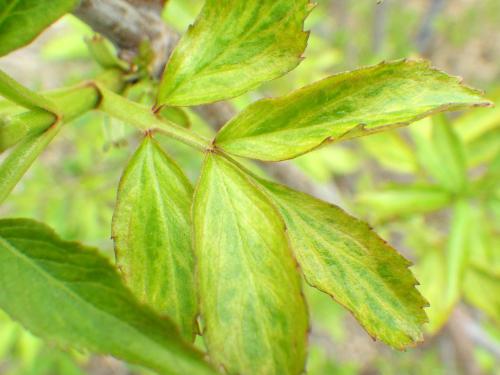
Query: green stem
{"points": [[17, 93], [72, 103], [144, 119], [35, 138]]}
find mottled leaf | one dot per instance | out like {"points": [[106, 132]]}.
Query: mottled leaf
{"points": [[344, 258], [344, 106], [152, 234], [233, 47], [22, 20], [252, 308], [68, 293]]}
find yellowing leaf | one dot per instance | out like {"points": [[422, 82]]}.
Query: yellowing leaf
{"points": [[68, 293], [233, 47], [344, 258], [344, 106], [253, 311], [152, 233], [22, 20]]}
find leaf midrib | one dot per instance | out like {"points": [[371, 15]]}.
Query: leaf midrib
{"points": [[250, 270]]}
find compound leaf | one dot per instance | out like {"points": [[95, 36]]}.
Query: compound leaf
{"points": [[233, 47], [68, 293], [22, 20], [152, 234], [344, 258], [252, 308], [344, 106]]}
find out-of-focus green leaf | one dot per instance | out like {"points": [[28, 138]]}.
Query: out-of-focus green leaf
{"points": [[21, 21], [152, 234], [457, 250], [233, 47], [391, 151], [344, 106], [104, 53], [483, 149], [482, 289], [431, 273], [252, 308], [403, 200], [450, 155], [322, 164], [476, 124], [344, 258], [68, 293]]}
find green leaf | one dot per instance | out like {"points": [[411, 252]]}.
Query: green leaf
{"points": [[392, 151], [252, 308], [344, 258], [476, 124], [431, 273], [22, 20], [482, 289], [17, 93], [450, 153], [176, 115], [344, 106], [104, 53], [403, 200], [458, 248], [152, 234], [68, 293], [15, 165], [233, 47]]}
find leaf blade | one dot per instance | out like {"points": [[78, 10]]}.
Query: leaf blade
{"points": [[231, 49], [22, 21], [152, 234], [342, 257], [65, 292], [254, 314], [344, 106]]}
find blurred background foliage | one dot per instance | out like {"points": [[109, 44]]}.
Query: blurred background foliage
{"points": [[430, 189]]}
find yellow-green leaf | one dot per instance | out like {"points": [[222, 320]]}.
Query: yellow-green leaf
{"points": [[403, 200], [233, 47], [22, 20], [152, 234], [252, 308], [344, 258], [482, 289], [344, 106], [69, 294]]}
